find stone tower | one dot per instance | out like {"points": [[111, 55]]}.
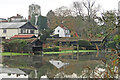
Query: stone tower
{"points": [[34, 9]]}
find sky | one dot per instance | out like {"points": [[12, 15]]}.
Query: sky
{"points": [[10, 8]]}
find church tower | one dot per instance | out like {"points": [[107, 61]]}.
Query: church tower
{"points": [[34, 9]]}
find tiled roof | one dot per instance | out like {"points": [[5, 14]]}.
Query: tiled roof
{"points": [[23, 36], [62, 26]]}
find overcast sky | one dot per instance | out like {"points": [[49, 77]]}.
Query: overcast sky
{"points": [[10, 8]]}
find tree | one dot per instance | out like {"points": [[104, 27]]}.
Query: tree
{"points": [[78, 8], [50, 15], [42, 23], [51, 19], [32, 20], [39, 21], [109, 21], [63, 11], [45, 34], [91, 9]]}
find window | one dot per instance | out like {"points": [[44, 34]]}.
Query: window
{"points": [[4, 31], [58, 31], [23, 31], [27, 31], [31, 31]]}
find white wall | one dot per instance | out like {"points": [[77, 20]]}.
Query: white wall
{"points": [[61, 31], [9, 33]]}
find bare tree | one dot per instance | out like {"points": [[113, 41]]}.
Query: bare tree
{"points": [[63, 11], [91, 8], [78, 7]]}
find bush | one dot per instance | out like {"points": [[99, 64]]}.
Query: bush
{"points": [[111, 44], [84, 43], [55, 49], [16, 45]]}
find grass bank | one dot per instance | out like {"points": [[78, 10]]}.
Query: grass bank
{"points": [[61, 52], [69, 51], [13, 54]]}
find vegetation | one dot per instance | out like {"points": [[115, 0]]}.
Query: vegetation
{"points": [[55, 49], [13, 54], [69, 51], [17, 45], [39, 21], [84, 43], [44, 34]]}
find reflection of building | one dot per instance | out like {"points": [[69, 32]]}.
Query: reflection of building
{"points": [[12, 73], [9, 29], [17, 18], [34, 9]]}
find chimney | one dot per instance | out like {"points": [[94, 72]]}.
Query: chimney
{"points": [[62, 24]]}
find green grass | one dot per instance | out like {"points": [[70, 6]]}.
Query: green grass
{"points": [[13, 54], [69, 51], [64, 51]]}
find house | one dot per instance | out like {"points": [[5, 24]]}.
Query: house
{"points": [[3, 20], [17, 18], [9, 29], [62, 31]]}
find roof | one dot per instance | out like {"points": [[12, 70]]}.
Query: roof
{"points": [[23, 36], [2, 19], [28, 25], [62, 26], [16, 25], [11, 70], [11, 25], [18, 16]]}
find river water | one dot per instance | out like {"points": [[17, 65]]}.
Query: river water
{"points": [[81, 65]]}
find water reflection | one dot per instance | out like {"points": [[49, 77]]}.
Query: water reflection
{"points": [[79, 65]]}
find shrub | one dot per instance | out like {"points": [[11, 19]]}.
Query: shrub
{"points": [[16, 45], [111, 44], [84, 43], [55, 49]]}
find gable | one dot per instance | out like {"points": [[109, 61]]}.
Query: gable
{"points": [[59, 28], [28, 25]]}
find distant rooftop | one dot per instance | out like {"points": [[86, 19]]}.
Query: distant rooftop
{"points": [[18, 16]]}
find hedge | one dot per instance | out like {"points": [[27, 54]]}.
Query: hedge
{"points": [[55, 49]]}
